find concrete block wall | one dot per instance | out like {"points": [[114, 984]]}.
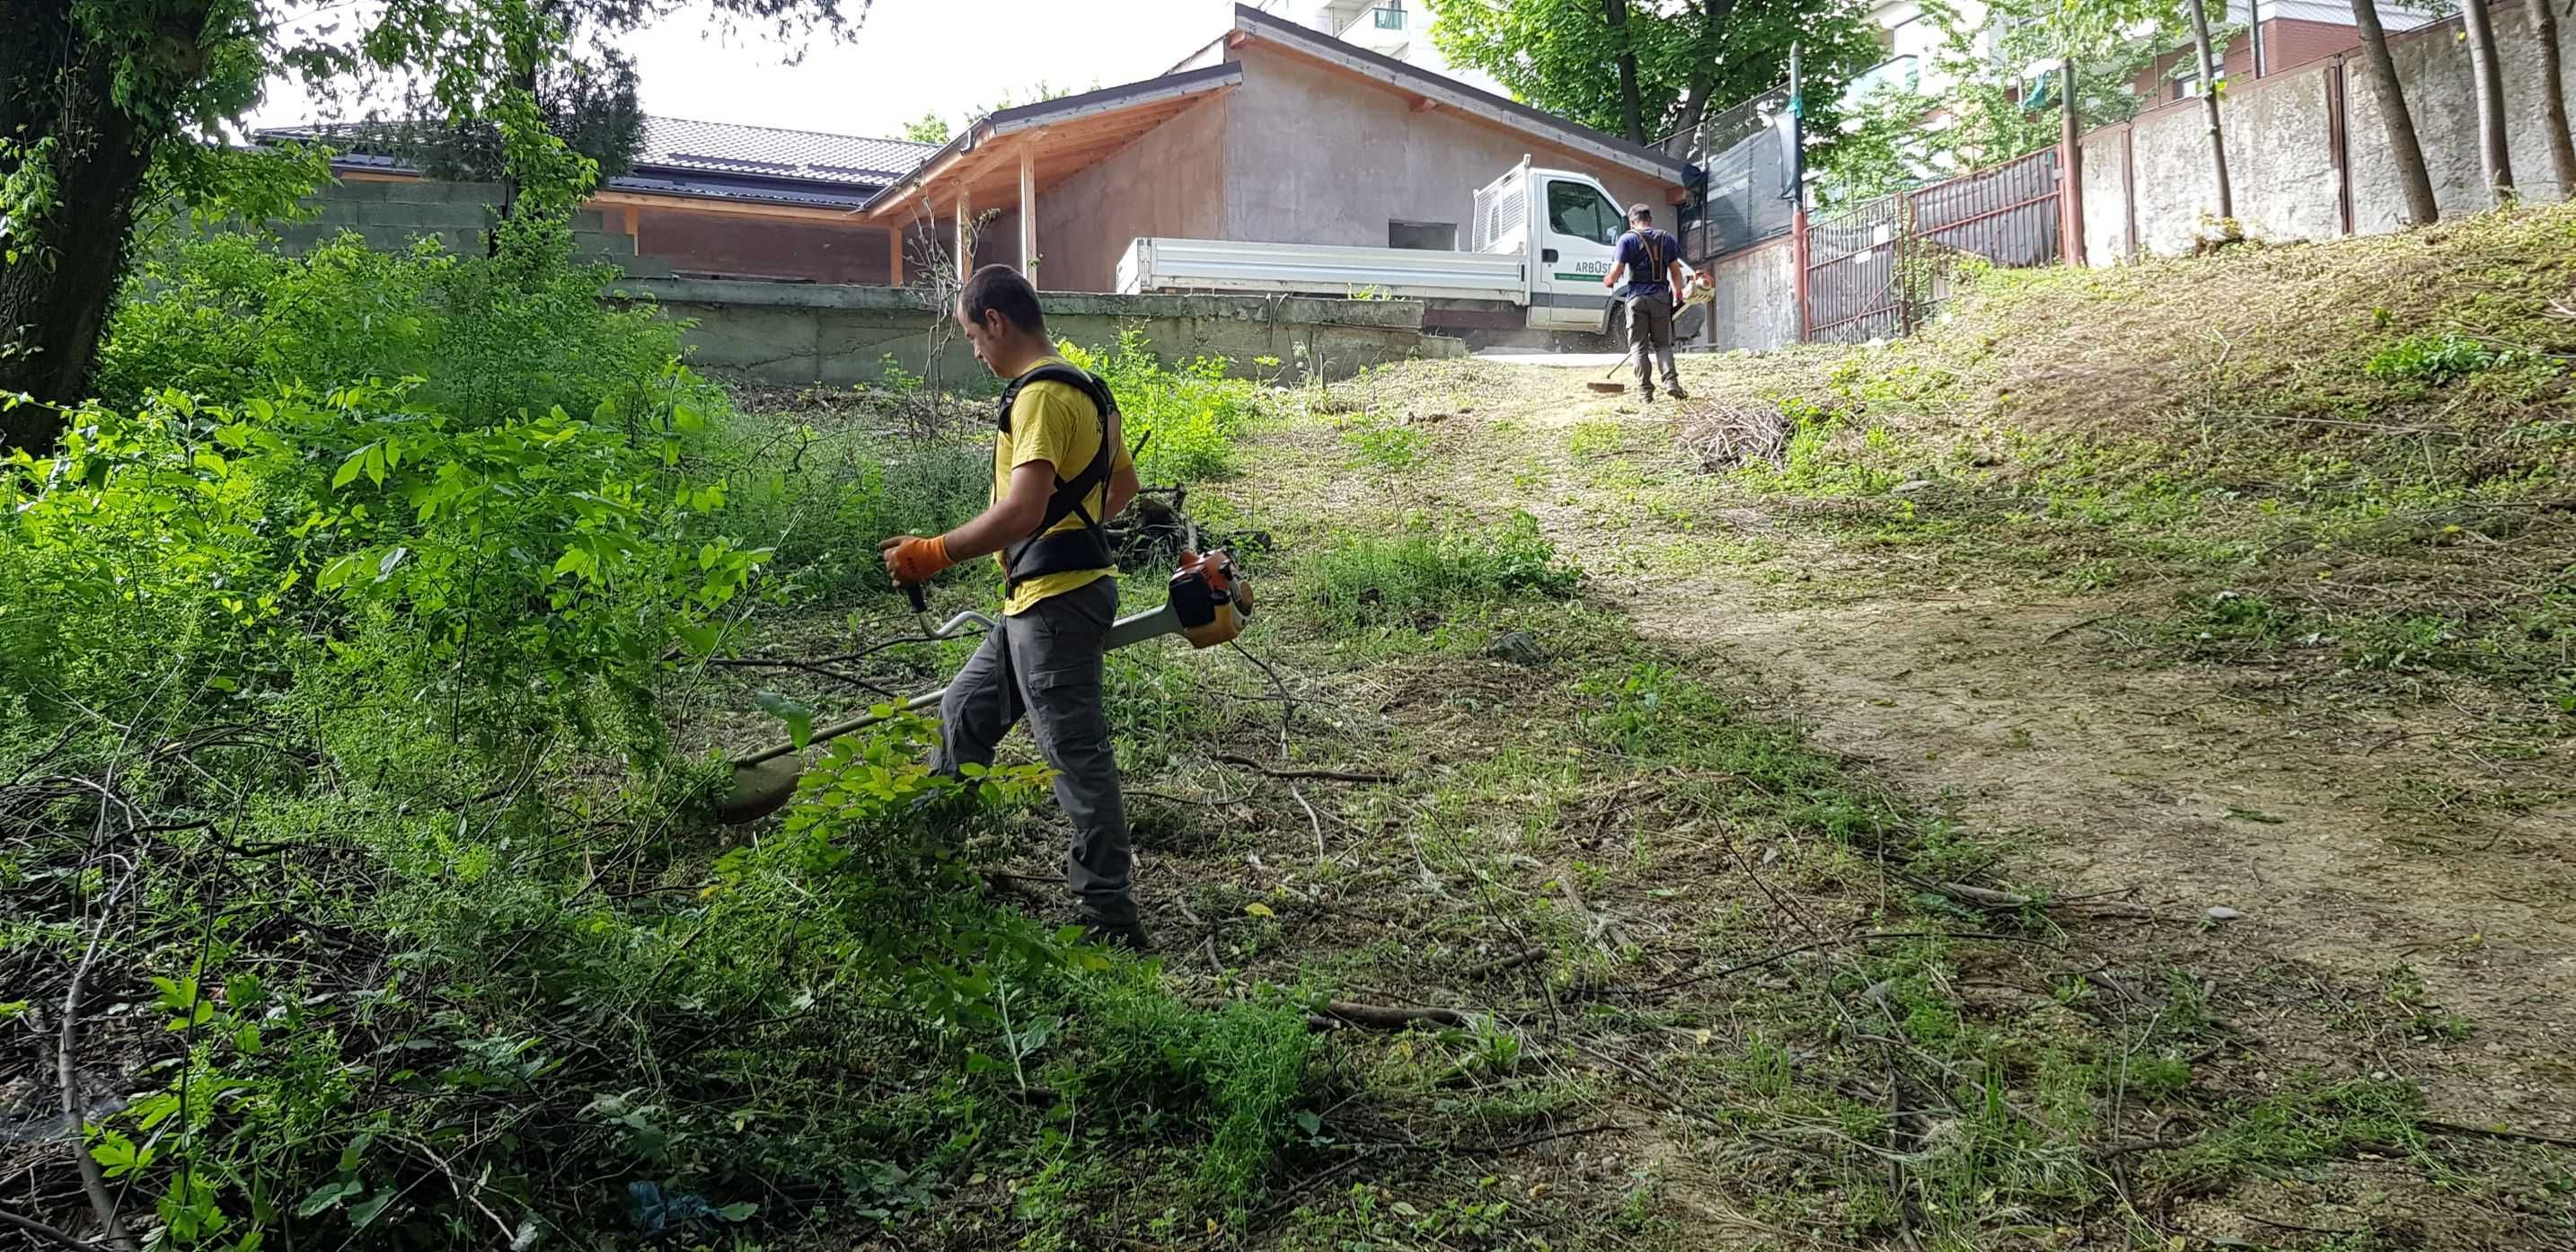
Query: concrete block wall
{"points": [[816, 334], [2148, 184]]}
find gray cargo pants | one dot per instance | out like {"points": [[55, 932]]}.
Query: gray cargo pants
{"points": [[1650, 338], [1045, 662]]}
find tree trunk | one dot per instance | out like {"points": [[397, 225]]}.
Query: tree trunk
{"points": [[1630, 119], [2421, 208], [2553, 96], [2486, 82], [2209, 104], [55, 298], [1703, 81], [2070, 189]]}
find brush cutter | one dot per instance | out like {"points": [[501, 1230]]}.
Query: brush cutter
{"points": [[1207, 605]]}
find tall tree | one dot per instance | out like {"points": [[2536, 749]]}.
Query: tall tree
{"points": [[2209, 87], [2421, 208], [1692, 58], [2553, 97], [98, 95], [1616, 11], [2486, 82]]}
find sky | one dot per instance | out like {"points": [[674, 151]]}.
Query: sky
{"points": [[954, 57]]}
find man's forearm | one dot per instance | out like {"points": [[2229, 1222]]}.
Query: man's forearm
{"points": [[992, 530]]}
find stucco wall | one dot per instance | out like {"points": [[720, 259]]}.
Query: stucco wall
{"points": [[2279, 132], [2433, 66], [1756, 307], [1169, 183], [803, 334], [1318, 156]]}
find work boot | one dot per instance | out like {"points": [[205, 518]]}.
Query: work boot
{"points": [[1648, 393], [1129, 934], [1673, 388]]}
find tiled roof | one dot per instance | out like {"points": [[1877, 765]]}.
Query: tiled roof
{"points": [[672, 143], [678, 146]]}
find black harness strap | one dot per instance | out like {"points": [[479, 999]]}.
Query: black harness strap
{"points": [[1083, 549]]}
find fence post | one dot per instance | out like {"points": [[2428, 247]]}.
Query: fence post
{"points": [[1798, 236]]}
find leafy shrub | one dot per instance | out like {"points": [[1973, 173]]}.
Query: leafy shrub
{"points": [[2429, 359], [227, 316], [1189, 415], [1419, 579]]}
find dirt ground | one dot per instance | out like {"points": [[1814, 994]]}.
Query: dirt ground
{"points": [[2342, 843]]}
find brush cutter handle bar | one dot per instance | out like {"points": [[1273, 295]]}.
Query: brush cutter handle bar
{"points": [[1135, 628]]}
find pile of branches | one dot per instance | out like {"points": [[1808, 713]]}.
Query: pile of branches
{"points": [[1726, 436]]}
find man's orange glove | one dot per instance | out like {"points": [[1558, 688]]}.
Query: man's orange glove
{"points": [[913, 560]]}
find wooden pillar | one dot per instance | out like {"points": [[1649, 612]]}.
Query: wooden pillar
{"points": [[965, 248], [1029, 215], [894, 257]]}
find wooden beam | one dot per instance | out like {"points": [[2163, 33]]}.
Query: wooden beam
{"points": [[965, 249], [894, 257], [1424, 104], [1237, 39], [1029, 210], [724, 208], [633, 231]]}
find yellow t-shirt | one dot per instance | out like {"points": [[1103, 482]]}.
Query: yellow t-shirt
{"points": [[1055, 422]]}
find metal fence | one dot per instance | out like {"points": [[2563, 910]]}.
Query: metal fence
{"points": [[1878, 269], [1746, 159]]}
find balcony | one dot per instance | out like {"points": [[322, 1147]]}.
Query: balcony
{"points": [[1895, 74], [1385, 28]]}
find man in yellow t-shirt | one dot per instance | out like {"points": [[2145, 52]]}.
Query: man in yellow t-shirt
{"points": [[1060, 472]]}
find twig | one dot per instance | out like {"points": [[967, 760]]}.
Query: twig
{"points": [[66, 1049], [1392, 1016], [1311, 819], [43, 1231], [2523, 1136], [820, 671], [1873, 937], [1326, 775]]}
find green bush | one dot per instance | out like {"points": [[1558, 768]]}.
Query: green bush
{"points": [[336, 656], [2429, 359], [1189, 415], [1422, 578], [488, 338]]}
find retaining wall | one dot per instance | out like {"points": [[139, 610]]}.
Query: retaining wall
{"points": [[801, 334]]}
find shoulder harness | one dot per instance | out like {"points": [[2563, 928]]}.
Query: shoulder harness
{"points": [[1088, 547]]}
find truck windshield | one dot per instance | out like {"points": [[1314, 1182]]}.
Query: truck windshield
{"points": [[1580, 211]]}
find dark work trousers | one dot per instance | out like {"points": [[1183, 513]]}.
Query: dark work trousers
{"points": [[1650, 337], [1046, 663]]}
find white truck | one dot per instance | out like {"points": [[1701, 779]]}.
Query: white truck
{"points": [[1539, 242]]}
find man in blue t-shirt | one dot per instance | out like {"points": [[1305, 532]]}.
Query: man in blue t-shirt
{"points": [[1651, 261]]}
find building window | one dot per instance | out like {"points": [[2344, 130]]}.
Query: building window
{"points": [[1390, 15], [1577, 210], [1423, 236]]}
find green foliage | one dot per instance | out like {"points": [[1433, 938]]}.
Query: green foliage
{"points": [[2434, 358], [1993, 111], [1424, 577], [1188, 415], [928, 128], [1559, 55]]}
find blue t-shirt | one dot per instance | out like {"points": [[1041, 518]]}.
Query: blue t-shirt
{"points": [[1647, 272]]}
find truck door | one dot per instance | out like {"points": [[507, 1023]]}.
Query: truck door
{"points": [[1578, 232]]}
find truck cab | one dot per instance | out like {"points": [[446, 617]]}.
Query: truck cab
{"points": [[1569, 227]]}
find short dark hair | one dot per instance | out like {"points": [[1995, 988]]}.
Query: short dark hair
{"points": [[1000, 289], [1640, 213]]}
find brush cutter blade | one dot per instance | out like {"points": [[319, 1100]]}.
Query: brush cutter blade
{"points": [[1608, 389]]}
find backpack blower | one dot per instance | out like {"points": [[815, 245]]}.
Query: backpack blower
{"points": [[1207, 605]]}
